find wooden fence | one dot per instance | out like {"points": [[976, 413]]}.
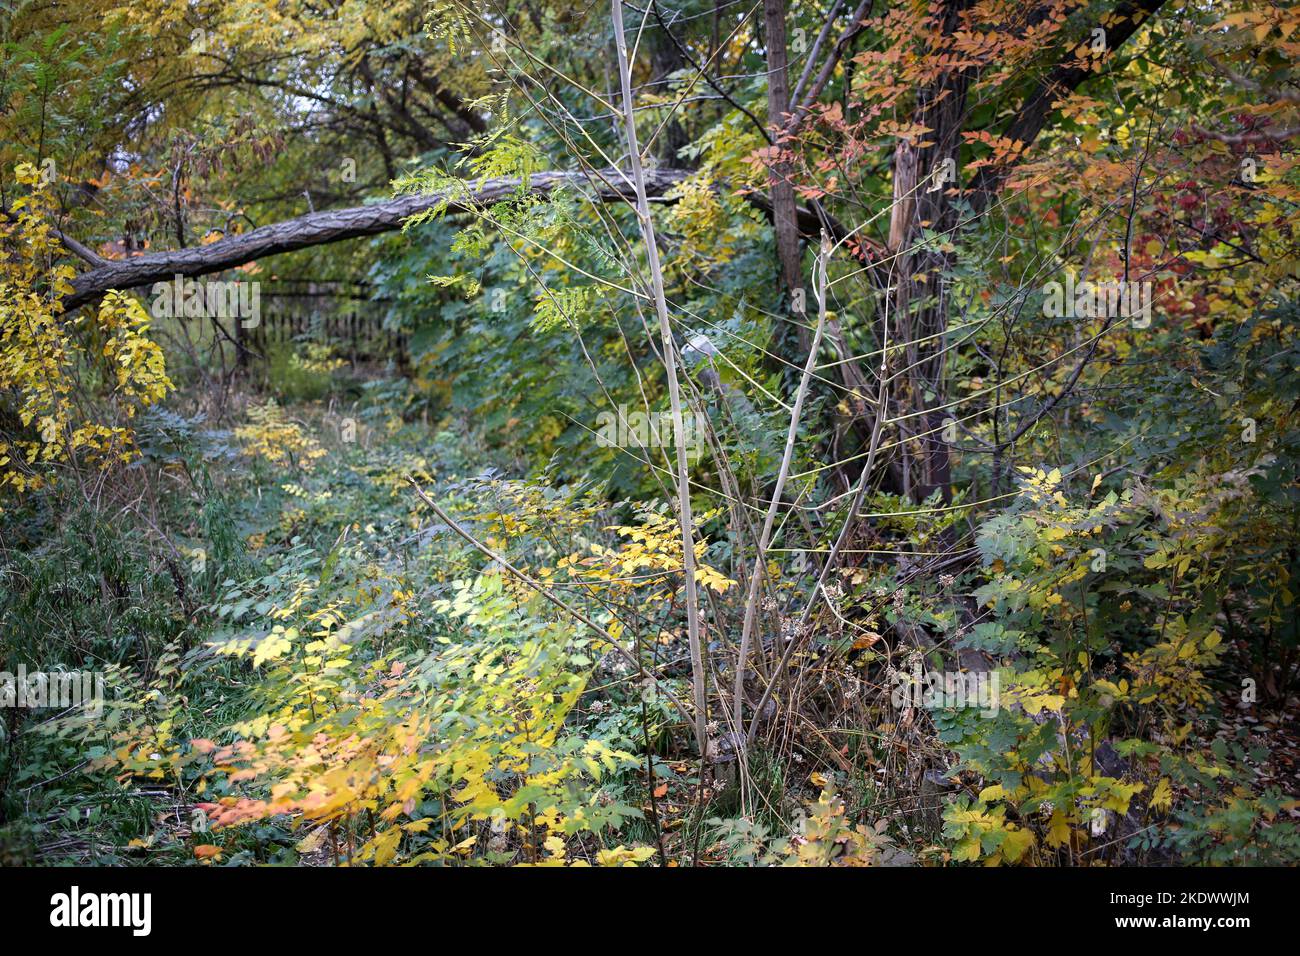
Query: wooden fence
{"points": [[345, 313]]}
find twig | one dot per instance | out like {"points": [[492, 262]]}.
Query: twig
{"points": [[765, 536]]}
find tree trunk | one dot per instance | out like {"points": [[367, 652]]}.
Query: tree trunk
{"points": [[924, 172], [319, 228], [335, 225], [784, 212]]}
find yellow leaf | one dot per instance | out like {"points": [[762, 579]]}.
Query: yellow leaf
{"points": [[1058, 829], [1162, 798]]}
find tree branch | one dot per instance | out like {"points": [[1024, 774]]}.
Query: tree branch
{"points": [[335, 225], [1038, 107]]}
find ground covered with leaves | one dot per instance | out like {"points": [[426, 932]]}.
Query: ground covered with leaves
{"points": [[334, 675]]}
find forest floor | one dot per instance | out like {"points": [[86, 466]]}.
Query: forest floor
{"points": [[240, 511]]}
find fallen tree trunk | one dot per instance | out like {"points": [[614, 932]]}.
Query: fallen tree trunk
{"points": [[335, 225]]}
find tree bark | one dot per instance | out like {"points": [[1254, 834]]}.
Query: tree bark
{"points": [[335, 225], [320, 228], [785, 224], [920, 304]]}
